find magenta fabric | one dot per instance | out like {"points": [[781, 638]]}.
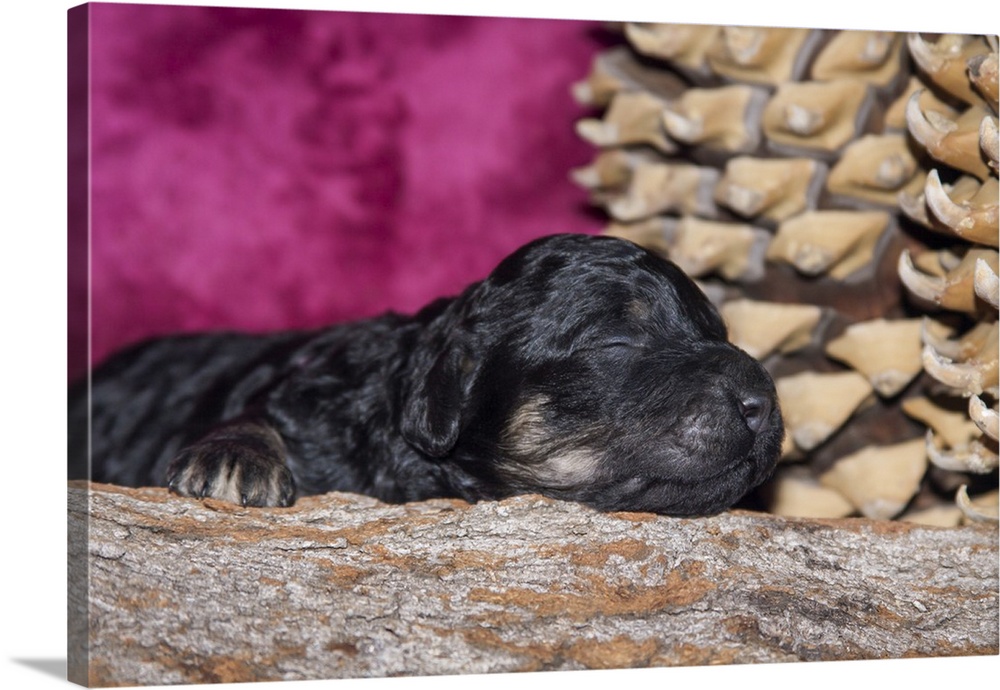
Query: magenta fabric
{"points": [[267, 169]]}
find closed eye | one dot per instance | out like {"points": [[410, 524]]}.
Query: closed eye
{"points": [[619, 343]]}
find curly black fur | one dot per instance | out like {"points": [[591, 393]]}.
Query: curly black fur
{"points": [[583, 368]]}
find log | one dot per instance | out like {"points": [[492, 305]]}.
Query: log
{"points": [[167, 590]]}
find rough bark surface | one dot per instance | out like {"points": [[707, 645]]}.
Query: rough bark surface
{"points": [[182, 591]]}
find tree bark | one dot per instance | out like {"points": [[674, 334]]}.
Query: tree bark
{"points": [[184, 591]]}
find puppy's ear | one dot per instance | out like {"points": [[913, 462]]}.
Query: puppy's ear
{"points": [[431, 417]]}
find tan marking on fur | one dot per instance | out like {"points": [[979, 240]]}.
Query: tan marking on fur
{"points": [[527, 432], [640, 309], [570, 467], [528, 436], [226, 486], [184, 480]]}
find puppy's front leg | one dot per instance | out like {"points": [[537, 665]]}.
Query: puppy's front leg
{"points": [[241, 461]]}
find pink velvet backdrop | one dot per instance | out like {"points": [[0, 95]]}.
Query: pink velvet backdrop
{"points": [[264, 169]]}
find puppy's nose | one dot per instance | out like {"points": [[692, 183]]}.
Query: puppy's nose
{"points": [[756, 411]]}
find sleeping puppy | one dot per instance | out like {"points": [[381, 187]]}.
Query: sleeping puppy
{"points": [[583, 368]]}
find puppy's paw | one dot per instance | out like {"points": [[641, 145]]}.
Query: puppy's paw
{"points": [[241, 462]]}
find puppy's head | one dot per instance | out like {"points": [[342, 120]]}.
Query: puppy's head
{"points": [[589, 369]]}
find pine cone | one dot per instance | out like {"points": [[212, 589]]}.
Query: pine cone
{"points": [[835, 193]]}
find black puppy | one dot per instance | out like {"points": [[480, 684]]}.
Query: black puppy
{"points": [[583, 368]]}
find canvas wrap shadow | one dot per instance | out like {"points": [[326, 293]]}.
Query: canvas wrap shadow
{"points": [[270, 169]]}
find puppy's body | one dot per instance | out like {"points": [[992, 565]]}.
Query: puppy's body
{"points": [[323, 392], [582, 368]]}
